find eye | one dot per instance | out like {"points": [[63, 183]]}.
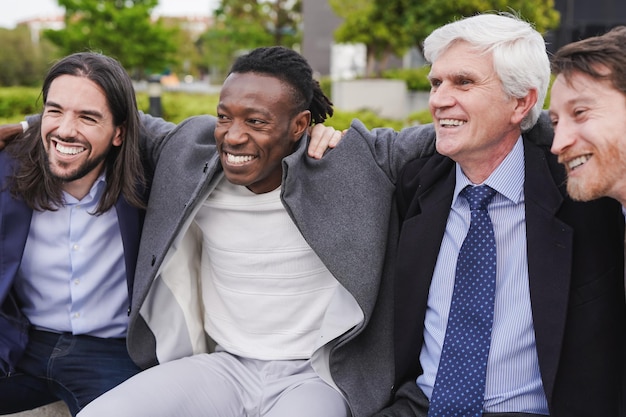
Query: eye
{"points": [[257, 122], [434, 83], [554, 121], [88, 119]]}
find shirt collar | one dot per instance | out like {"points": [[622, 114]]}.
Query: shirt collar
{"points": [[507, 179], [92, 198]]}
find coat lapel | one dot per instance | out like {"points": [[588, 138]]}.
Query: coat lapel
{"points": [[14, 226], [420, 240], [549, 245], [130, 220]]}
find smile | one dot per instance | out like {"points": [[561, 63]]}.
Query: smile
{"points": [[451, 122], [69, 150], [238, 159], [578, 161]]}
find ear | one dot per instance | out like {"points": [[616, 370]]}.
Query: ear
{"points": [[523, 106], [300, 123], [118, 137]]}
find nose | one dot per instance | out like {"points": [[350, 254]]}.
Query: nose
{"points": [[236, 133], [441, 96], [564, 137], [67, 127]]}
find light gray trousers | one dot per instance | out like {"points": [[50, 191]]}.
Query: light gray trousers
{"points": [[222, 385]]}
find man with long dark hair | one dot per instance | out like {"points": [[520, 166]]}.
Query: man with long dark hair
{"points": [[71, 210]]}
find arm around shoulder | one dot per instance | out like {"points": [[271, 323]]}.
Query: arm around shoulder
{"points": [[8, 132], [391, 149]]}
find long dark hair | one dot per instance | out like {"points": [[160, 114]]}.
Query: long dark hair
{"points": [[33, 183]]}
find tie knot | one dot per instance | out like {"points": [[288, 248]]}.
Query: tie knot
{"points": [[479, 196]]}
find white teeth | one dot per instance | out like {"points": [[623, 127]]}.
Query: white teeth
{"points": [[69, 150], [451, 122], [238, 159], [576, 162]]}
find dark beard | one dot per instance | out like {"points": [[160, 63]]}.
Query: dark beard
{"points": [[80, 172]]}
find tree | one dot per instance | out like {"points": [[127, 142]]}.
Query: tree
{"points": [[391, 27], [385, 27], [120, 28], [435, 13], [241, 25], [283, 18], [23, 59], [188, 60]]}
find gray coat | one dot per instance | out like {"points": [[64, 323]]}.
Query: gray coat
{"points": [[342, 204]]}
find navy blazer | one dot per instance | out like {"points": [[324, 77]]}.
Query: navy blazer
{"points": [[576, 278], [15, 218]]}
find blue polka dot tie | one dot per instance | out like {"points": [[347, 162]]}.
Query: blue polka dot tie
{"points": [[460, 383]]}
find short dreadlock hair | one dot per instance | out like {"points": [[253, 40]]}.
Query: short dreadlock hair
{"points": [[291, 68]]}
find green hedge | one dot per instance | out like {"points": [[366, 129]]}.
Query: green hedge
{"points": [[15, 102]]}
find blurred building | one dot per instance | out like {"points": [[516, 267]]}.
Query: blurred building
{"points": [[579, 19], [319, 23], [37, 25], [584, 18], [339, 61]]}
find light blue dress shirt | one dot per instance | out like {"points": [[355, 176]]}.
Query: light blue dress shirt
{"points": [[513, 377], [73, 277]]}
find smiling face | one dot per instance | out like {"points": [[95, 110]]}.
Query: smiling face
{"points": [[476, 123], [77, 132], [256, 129], [589, 119]]}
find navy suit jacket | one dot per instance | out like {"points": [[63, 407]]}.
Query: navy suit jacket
{"points": [[15, 218], [575, 267]]}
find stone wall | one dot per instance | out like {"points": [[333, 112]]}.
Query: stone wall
{"points": [[58, 409], [388, 98]]}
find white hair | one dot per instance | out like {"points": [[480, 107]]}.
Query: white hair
{"points": [[519, 53]]}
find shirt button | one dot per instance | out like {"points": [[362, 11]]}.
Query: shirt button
{"points": [[75, 246], [76, 281], [76, 315]]}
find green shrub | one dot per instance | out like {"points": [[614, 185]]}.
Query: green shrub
{"points": [[326, 85], [16, 102], [178, 106], [11, 119], [420, 117], [341, 120], [19, 101]]}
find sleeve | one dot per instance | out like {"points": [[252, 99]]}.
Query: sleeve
{"points": [[153, 135], [390, 149]]}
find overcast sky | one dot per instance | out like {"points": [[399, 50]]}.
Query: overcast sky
{"points": [[14, 11]]}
